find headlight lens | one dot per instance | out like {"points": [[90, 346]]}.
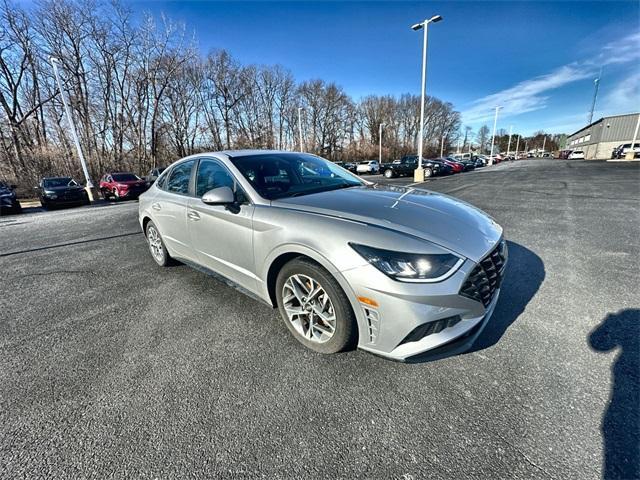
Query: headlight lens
{"points": [[409, 267]]}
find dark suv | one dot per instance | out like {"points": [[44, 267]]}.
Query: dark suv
{"points": [[61, 192], [407, 165], [8, 200]]}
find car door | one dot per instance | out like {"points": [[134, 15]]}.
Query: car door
{"points": [[222, 236], [169, 210]]}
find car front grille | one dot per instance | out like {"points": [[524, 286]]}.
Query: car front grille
{"points": [[485, 278]]}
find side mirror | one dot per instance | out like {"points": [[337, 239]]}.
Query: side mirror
{"points": [[219, 196]]}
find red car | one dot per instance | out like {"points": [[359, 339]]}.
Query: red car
{"points": [[456, 167], [122, 185]]}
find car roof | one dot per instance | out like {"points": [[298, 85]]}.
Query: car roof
{"points": [[246, 152]]}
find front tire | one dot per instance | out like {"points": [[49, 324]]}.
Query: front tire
{"points": [[314, 307], [428, 172], [388, 173], [157, 247]]}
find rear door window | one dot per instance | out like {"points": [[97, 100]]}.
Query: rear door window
{"points": [[178, 181]]}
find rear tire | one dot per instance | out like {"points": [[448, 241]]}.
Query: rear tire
{"points": [[329, 319], [389, 173], [428, 172], [156, 245]]}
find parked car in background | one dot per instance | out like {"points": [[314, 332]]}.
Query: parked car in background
{"points": [[368, 166], [468, 164], [547, 155], [351, 166], [621, 150], [445, 168], [396, 271], [56, 192], [122, 185], [576, 154], [8, 200], [154, 173], [456, 167], [407, 165]]}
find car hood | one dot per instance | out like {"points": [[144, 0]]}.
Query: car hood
{"points": [[437, 218]]}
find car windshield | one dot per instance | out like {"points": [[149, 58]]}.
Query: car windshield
{"points": [[282, 175], [59, 182], [124, 177]]}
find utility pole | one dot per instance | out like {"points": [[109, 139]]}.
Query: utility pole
{"points": [[89, 185], [595, 96], [509, 144], [380, 143], [493, 137], [300, 128]]}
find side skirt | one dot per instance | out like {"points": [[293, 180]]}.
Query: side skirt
{"points": [[225, 280]]}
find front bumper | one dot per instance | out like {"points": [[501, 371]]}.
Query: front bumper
{"points": [[396, 327]]}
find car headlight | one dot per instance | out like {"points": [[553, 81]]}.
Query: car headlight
{"points": [[410, 267]]}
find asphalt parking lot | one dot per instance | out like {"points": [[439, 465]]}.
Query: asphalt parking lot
{"points": [[113, 367]]}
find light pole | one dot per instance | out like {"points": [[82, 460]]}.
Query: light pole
{"points": [[89, 185], [300, 127], [380, 143], [509, 144], [418, 175], [517, 146], [493, 137], [632, 154], [442, 146], [544, 142]]}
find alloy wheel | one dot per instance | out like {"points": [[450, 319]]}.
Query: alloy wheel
{"points": [[309, 308], [155, 244]]}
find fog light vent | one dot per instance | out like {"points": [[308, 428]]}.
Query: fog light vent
{"points": [[373, 321], [430, 328]]}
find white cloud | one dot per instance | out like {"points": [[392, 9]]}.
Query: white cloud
{"points": [[624, 50], [525, 96], [533, 94], [624, 97]]}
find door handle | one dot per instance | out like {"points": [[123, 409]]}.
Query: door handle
{"points": [[193, 215], [156, 206]]}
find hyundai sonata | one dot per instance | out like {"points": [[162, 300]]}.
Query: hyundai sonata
{"points": [[396, 271]]}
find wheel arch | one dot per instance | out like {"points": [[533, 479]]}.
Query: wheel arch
{"points": [[286, 253], [145, 221]]}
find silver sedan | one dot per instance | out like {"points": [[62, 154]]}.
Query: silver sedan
{"points": [[396, 271]]}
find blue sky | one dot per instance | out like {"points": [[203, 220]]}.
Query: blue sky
{"points": [[537, 59]]}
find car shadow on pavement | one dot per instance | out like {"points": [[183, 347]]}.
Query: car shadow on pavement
{"points": [[621, 421], [525, 273]]}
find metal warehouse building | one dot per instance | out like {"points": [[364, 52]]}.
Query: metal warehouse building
{"points": [[598, 139]]}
